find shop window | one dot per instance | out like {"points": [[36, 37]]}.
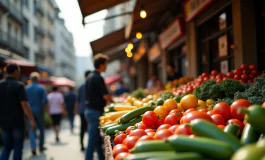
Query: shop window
{"points": [[216, 47]]}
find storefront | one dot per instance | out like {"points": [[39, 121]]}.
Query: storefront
{"points": [[155, 61], [173, 42]]}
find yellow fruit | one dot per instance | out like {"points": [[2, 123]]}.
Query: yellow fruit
{"points": [[180, 108], [201, 103], [209, 102], [161, 111], [189, 101], [170, 104], [201, 107]]}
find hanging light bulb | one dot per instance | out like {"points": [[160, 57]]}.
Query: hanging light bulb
{"points": [[127, 50], [143, 14], [129, 54], [139, 35], [130, 46]]}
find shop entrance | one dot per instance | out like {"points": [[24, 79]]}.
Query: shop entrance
{"points": [[178, 57]]}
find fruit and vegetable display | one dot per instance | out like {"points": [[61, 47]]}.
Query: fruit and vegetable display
{"points": [[220, 117]]}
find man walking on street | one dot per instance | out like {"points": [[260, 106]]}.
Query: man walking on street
{"points": [[37, 100], [70, 100], [13, 100], [81, 111], [96, 97]]}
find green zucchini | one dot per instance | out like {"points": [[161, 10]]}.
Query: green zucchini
{"points": [[204, 128], [145, 155], [207, 147], [151, 146], [134, 113], [249, 152], [122, 127], [232, 129], [106, 127], [180, 156], [249, 135]]}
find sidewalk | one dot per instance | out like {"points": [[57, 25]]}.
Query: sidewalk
{"points": [[67, 149]]}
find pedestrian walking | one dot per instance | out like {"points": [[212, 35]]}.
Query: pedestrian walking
{"points": [[70, 100], [37, 98], [56, 109], [96, 97], [14, 105], [81, 111]]}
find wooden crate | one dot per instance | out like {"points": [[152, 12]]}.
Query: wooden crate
{"points": [[108, 148]]}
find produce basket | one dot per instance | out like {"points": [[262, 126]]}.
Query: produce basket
{"points": [[108, 143]]}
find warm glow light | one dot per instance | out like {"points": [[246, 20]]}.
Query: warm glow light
{"points": [[130, 46], [29, 82], [112, 87], [129, 54], [143, 14], [139, 35], [127, 50]]}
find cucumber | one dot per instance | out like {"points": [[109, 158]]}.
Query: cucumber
{"points": [[143, 156], [180, 156], [134, 113], [232, 129], [122, 127], [106, 127], [151, 146], [204, 128], [249, 135], [249, 152], [209, 148]]}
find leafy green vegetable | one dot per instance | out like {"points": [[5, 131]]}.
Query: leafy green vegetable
{"points": [[203, 91], [139, 93], [255, 93], [166, 95], [226, 100], [230, 87]]}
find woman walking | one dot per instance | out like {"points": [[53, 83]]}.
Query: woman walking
{"points": [[56, 109]]}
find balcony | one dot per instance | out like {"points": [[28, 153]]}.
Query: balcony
{"points": [[50, 35], [40, 30], [12, 44], [39, 8], [51, 53], [12, 8], [50, 17]]}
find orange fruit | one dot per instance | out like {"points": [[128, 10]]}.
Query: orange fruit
{"points": [[189, 101], [170, 104]]}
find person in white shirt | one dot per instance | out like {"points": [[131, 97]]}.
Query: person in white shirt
{"points": [[56, 109]]}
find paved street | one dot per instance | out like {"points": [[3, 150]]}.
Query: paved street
{"points": [[67, 149]]}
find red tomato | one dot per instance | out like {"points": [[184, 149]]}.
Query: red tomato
{"points": [[129, 129], [120, 138], [245, 122], [150, 118], [163, 126], [189, 110], [221, 127], [183, 129], [242, 81], [203, 110], [204, 74], [160, 121], [238, 71], [244, 66], [210, 113], [173, 128], [175, 111], [244, 77], [263, 105], [205, 78], [230, 75], [138, 133], [223, 109], [119, 148], [197, 115], [152, 134], [241, 103], [252, 67], [125, 141], [250, 81], [237, 122], [141, 126], [214, 72], [254, 72], [149, 130], [146, 138], [162, 134], [122, 155], [130, 141], [237, 77], [182, 119], [172, 119], [218, 119]]}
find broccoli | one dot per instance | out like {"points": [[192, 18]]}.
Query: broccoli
{"points": [[166, 95], [203, 91], [230, 87]]}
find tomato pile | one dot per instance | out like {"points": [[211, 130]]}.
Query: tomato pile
{"points": [[174, 118], [244, 74]]}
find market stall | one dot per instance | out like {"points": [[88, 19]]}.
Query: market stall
{"points": [[214, 116]]}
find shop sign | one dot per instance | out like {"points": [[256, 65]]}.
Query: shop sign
{"points": [[224, 66], [222, 46], [140, 51], [193, 7], [154, 52], [172, 33]]}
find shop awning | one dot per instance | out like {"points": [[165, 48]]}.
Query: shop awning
{"points": [[108, 42], [89, 7], [22, 63], [45, 69], [62, 82], [155, 11], [113, 79]]}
